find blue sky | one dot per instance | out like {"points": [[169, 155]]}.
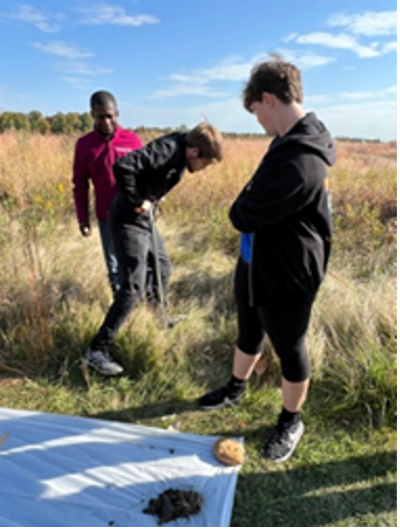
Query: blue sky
{"points": [[169, 62]]}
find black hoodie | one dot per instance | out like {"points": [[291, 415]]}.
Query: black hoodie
{"points": [[286, 206]]}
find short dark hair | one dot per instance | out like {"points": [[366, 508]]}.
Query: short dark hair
{"points": [[277, 77], [102, 98], [207, 139]]}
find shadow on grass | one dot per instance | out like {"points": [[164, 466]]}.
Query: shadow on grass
{"points": [[319, 494], [148, 411], [205, 290]]}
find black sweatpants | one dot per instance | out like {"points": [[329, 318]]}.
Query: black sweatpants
{"points": [[286, 325], [132, 245]]}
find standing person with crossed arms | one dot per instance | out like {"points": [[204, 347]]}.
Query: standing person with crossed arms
{"points": [[284, 216]]}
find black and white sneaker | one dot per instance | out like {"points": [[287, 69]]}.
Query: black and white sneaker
{"points": [[283, 442], [174, 320], [102, 363], [219, 398]]}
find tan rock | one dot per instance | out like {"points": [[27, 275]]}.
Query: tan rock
{"points": [[229, 451]]}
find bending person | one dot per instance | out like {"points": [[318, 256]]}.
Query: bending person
{"points": [[144, 177]]}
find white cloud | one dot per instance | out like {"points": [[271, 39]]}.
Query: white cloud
{"points": [[186, 78], [116, 15], [228, 72], [366, 52], [342, 41], [290, 37], [30, 15], [228, 69], [81, 68], [318, 99], [62, 50], [197, 89], [361, 25], [238, 70], [80, 84], [368, 24], [389, 47], [198, 82], [329, 40], [370, 95], [305, 61]]}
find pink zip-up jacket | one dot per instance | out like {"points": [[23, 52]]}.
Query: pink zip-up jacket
{"points": [[94, 158]]}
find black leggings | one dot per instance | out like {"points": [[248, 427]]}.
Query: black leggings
{"points": [[286, 326]]}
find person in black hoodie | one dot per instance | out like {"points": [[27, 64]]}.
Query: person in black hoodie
{"points": [[284, 216], [144, 177]]}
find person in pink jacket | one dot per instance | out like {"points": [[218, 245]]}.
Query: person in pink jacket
{"points": [[95, 155]]}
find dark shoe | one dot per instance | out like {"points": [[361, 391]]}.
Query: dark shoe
{"points": [[283, 442], [219, 398]]}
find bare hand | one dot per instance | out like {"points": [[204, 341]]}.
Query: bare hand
{"points": [[85, 230], [146, 205], [159, 202]]}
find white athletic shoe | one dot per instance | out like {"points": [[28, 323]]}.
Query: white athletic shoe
{"points": [[102, 363]]}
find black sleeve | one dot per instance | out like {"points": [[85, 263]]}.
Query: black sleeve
{"points": [[275, 192], [135, 172]]}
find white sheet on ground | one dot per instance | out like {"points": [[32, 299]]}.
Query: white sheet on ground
{"points": [[64, 471]]}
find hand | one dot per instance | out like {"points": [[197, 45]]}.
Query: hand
{"points": [[157, 207], [146, 205], [159, 202], [85, 230]]}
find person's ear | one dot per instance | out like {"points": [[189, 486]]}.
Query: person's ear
{"points": [[194, 152], [268, 98]]}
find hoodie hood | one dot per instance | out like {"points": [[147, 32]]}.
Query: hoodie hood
{"points": [[312, 133]]}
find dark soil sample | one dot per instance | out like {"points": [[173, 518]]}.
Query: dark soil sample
{"points": [[173, 504]]}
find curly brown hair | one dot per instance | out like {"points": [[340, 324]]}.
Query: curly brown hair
{"points": [[277, 77]]}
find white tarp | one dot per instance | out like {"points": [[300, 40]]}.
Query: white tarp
{"points": [[67, 471]]}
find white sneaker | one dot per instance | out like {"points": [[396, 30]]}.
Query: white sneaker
{"points": [[102, 363]]}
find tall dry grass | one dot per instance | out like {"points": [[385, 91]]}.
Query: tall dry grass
{"points": [[54, 292]]}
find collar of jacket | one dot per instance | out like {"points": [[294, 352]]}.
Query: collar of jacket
{"points": [[101, 136]]}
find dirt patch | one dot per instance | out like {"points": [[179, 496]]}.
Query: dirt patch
{"points": [[173, 504]]}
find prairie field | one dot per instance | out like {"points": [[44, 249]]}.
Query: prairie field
{"points": [[54, 294]]}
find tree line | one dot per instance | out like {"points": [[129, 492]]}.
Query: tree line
{"points": [[69, 123], [35, 122], [73, 122]]}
